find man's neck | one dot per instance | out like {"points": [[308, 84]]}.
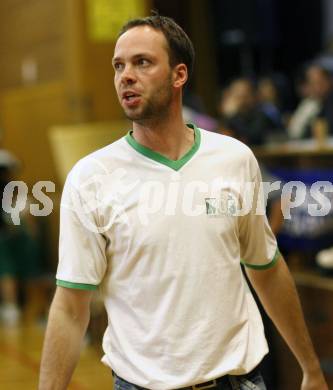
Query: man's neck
{"points": [[169, 137]]}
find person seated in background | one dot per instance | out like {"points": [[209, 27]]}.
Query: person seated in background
{"points": [[316, 90], [19, 251], [242, 116], [269, 100]]}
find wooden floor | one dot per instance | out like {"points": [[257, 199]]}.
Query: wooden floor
{"points": [[20, 351]]}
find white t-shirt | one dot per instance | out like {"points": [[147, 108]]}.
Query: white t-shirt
{"points": [[164, 240]]}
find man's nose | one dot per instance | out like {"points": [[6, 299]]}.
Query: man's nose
{"points": [[128, 75]]}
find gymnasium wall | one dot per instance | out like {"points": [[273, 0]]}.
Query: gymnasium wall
{"points": [[53, 72]]}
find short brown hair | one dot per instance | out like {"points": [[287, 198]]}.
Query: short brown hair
{"points": [[181, 50]]}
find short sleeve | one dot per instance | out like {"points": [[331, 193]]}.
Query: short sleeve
{"points": [[258, 246], [82, 260]]}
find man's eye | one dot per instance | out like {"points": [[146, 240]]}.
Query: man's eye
{"points": [[117, 66], [143, 61]]}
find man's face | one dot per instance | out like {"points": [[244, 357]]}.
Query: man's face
{"points": [[143, 76]]}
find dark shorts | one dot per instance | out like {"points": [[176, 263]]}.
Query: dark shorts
{"points": [[250, 381]]}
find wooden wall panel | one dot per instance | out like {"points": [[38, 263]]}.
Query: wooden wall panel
{"points": [[26, 116], [89, 73], [31, 29]]}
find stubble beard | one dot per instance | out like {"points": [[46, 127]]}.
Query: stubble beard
{"points": [[156, 108]]}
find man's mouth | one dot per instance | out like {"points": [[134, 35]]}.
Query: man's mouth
{"points": [[131, 99], [130, 96]]}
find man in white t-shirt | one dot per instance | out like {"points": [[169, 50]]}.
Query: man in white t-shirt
{"points": [[160, 221]]}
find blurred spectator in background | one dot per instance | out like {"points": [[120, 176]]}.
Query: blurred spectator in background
{"points": [[306, 111], [19, 251], [316, 91], [269, 100], [242, 115]]}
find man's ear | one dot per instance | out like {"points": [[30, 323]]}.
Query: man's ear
{"points": [[180, 75]]}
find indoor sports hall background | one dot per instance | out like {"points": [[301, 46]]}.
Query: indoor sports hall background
{"points": [[270, 59]]}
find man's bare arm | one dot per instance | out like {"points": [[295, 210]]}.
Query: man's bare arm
{"points": [[68, 320], [277, 292]]}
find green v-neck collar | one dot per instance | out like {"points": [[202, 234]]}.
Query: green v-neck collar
{"points": [[173, 164]]}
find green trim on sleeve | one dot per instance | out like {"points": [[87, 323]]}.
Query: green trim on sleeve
{"points": [[264, 266], [173, 164], [78, 286]]}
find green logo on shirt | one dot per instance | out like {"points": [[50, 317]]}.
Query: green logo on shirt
{"points": [[226, 205]]}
